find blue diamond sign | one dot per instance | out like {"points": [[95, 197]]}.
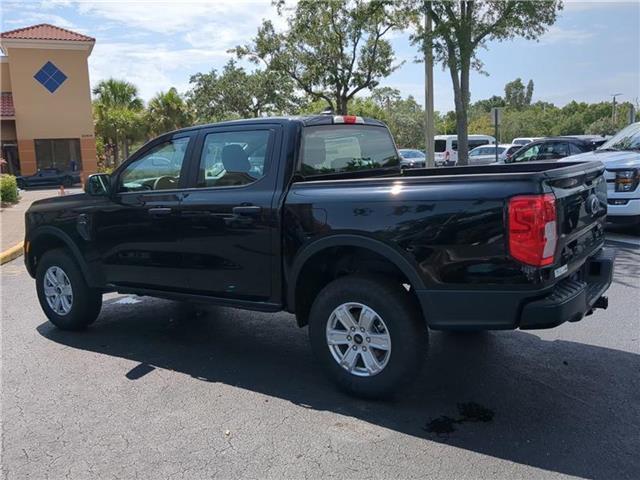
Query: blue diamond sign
{"points": [[50, 76]]}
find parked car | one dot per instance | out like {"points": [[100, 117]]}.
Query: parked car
{"points": [[446, 148], [594, 140], [412, 158], [621, 158], [524, 140], [552, 148], [49, 177], [330, 229], [486, 154]]}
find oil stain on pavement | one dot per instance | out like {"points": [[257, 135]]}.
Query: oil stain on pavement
{"points": [[469, 412]]}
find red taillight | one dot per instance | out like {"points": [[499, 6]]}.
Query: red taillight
{"points": [[347, 119], [533, 234]]}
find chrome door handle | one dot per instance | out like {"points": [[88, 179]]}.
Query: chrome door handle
{"points": [[159, 211], [247, 210]]}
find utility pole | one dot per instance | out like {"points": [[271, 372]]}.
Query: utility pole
{"points": [[613, 110], [428, 91]]}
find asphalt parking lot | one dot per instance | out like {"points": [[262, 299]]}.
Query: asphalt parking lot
{"points": [[157, 389]]}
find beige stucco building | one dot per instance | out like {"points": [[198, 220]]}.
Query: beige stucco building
{"points": [[46, 100]]}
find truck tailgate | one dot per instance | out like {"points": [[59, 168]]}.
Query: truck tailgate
{"points": [[581, 207]]}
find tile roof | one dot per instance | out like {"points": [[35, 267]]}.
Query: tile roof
{"points": [[45, 31], [6, 105]]}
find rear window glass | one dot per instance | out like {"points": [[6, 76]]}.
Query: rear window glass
{"points": [[440, 146], [346, 148], [474, 143]]}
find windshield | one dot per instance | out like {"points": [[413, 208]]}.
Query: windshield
{"points": [[411, 154], [346, 148], [626, 139]]}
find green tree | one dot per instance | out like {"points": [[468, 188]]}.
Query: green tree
{"points": [[236, 93], [331, 50], [515, 94], [167, 111], [529, 93], [603, 126], [118, 113], [460, 28]]}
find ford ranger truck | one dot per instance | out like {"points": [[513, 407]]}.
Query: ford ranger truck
{"points": [[312, 215]]}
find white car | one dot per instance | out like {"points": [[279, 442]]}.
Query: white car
{"points": [[524, 140], [486, 154], [621, 158], [446, 148]]}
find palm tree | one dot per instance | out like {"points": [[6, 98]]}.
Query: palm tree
{"points": [[118, 114], [118, 93], [167, 111]]}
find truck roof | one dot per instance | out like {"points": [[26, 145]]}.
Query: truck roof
{"points": [[304, 120]]}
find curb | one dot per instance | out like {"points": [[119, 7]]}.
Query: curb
{"points": [[11, 253]]}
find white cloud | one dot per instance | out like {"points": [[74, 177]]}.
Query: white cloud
{"points": [[160, 43], [580, 5], [151, 67], [165, 17], [34, 17], [557, 34]]}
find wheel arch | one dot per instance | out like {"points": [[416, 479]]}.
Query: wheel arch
{"points": [[344, 242], [48, 238]]}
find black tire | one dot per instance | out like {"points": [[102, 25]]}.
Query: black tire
{"points": [[405, 325], [86, 302]]}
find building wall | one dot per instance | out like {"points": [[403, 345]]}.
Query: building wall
{"points": [[5, 78], [40, 114]]}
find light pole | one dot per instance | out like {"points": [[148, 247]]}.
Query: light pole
{"points": [[428, 92], [613, 110]]}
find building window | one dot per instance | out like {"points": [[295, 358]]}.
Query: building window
{"points": [[60, 153], [50, 76]]}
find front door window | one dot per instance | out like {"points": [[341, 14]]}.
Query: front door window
{"points": [[158, 169]]}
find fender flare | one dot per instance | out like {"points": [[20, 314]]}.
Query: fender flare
{"points": [[69, 243], [350, 240]]}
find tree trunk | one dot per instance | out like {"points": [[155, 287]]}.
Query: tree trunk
{"points": [[126, 148], [342, 103], [461, 113], [115, 152]]}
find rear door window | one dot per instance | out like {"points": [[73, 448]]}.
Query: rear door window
{"points": [[233, 158]]}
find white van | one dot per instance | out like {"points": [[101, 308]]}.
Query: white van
{"points": [[446, 147]]}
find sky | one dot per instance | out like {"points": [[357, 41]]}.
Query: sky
{"points": [[591, 52]]}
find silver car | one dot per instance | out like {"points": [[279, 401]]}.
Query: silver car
{"points": [[486, 154]]}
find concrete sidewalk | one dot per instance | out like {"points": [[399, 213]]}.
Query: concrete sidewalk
{"points": [[12, 218]]}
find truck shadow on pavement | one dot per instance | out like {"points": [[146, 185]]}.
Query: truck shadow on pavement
{"points": [[559, 406]]}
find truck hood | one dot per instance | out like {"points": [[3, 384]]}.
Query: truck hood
{"points": [[611, 160], [65, 201]]}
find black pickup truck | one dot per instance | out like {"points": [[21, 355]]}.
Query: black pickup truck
{"points": [[313, 215]]}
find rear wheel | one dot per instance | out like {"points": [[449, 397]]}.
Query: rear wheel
{"points": [[368, 335], [65, 297]]}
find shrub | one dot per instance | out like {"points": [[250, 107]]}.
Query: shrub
{"points": [[8, 189]]}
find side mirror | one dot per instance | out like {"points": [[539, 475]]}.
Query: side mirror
{"points": [[98, 185]]}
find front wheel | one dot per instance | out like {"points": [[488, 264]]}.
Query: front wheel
{"points": [[65, 297], [368, 334]]}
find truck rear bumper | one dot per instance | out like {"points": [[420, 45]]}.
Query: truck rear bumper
{"points": [[569, 300], [572, 299]]}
